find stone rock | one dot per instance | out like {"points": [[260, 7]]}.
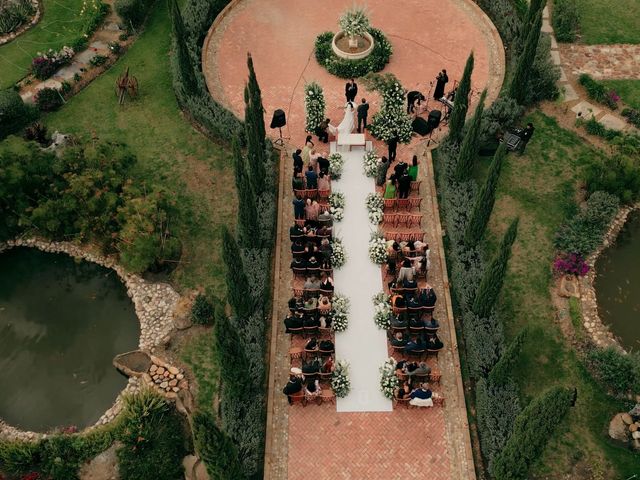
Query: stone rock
{"points": [[164, 384], [626, 418], [153, 368], [174, 382], [633, 427], [175, 389], [174, 370], [180, 376], [618, 428], [160, 370], [635, 435]]}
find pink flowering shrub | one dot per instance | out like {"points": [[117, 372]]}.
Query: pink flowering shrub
{"points": [[571, 263], [46, 64]]}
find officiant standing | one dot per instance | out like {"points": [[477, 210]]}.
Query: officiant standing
{"points": [[363, 111], [351, 90], [441, 81]]}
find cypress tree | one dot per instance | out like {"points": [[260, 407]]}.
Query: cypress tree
{"points": [[491, 283], [256, 101], [215, 448], [486, 198], [248, 231], [461, 103], [238, 290], [531, 431], [189, 83], [470, 144], [517, 88], [231, 355], [535, 6], [256, 153], [501, 372]]}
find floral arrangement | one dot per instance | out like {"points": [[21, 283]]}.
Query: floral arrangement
{"points": [[572, 263], [339, 313], [354, 22], [375, 207], [378, 248], [382, 309], [338, 255], [336, 164], [46, 64], [388, 378], [370, 161], [392, 119], [314, 106], [340, 383], [336, 205]]}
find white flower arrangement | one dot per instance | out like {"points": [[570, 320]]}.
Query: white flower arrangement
{"points": [[375, 207], [336, 164], [340, 383], [370, 163], [339, 313], [336, 205], [392, 119], [382, 309], [388, 379], [338, 254], [354, 22], [378, 248], [314, 105]]}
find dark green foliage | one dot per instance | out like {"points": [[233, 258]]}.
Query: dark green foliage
{"points": [[632, 115], [584, 232], [597, 91], [532, 11], [132, 12], [238, 290], [15, 14], [486, 198], [484, 338], [531, 432], [189, 82], [501, 372], [342, 68], [460, 106], [497, 407], [594, 127], [499, 118], [215, 448], [14, 114], [18, 458], [618, 371], [254, 125], [618, 175], [566, 20], [504, 15], [48, 99], [471, 143], [256, 105], [231, 356], [541, 83], [518, 86], [248, 232], [491, 284], [202, 311]]}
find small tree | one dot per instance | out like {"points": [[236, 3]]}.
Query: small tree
{"points": [[484, 202], [13, 112], [248, 232], [491, 283], [391, 120], [535, 6], [518, 86], [215, 448], [314, 105], [231, 355], [461, 104], [470, 144], [185, 66], [238, 290], [501, 372], [256, 100]]}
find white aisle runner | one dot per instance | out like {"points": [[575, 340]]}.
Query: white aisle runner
{"points": [[362, 345]]}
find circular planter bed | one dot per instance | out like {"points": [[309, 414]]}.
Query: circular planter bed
{"points": [[342, 48], [374, 61]]}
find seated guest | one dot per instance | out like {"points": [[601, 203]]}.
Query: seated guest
{"points": [[324, 303], [312, 283], [325, 264], [431, 322], [311, 177], [322, 131], [326, 345], [326, 283], [393, 248], [298, 164], [420, 266], [293, 304], [413, 345], [406, 283], [312, 264], [292, 321], [433, 342], [311, 367], [389, 190], [312, 210], [421, 397], [403, 391], [325, 321], [398, 301], [404, 185], [400, 366], [415, 321], [295, 231], [311, 250], [294, 385], [299, 263], [312, 389], [326, 249], [413, 169], [323, 165], [327, 367], [383, 167], [313, 159], [412, 301], [399, 321], [297, 246], [391, 267], [324, 231], [312, 344], [310, 321], [297, 182], [428, 297], [325, 218], [310, 304], [323, 181], [406, 271], [298, 207], [398, 340], [418, 369]]}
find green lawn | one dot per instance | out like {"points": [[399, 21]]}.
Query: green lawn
{"points": [[609, 21], [60, 24], [199, 352], [629, 90], [540, 188], [169, 150]]}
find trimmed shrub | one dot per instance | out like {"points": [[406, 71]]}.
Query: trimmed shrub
{"points": [[14, 114], [618, 371], [532, 430], [566, 20], [501, 372], [518, 86], [133, 12], [48, 99], [215, 448], [619, 176], [499, 118], [541, 83], [632, 115], [470, 144], [461, 105], [202, 311], [598, 92]]}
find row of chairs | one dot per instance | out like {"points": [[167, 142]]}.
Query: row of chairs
{"points": [[312, 193], [321, 332], [404, 402], [326, 396], [406, 204], [307, 272], [416, 353], [433, 377], [307, 293], [404, 236], [397, 219]]}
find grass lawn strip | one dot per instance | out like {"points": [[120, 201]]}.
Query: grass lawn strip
{"points": [[609, 21]]}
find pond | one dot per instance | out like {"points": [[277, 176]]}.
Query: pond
{"points": [[618, 284], [61, 323]]}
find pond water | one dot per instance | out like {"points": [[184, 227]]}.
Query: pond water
{"points": [[618, 284], [61, 323]]}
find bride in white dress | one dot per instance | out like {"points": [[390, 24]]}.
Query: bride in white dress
{"points": [[348, 123]]}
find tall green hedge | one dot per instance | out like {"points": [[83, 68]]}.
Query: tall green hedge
{"points": [[215, 448]]}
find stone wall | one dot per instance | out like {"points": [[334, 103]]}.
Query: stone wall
{"points": [[154, 305]]}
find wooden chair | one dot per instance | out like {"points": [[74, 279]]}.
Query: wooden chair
{"points": [[296, 331], [415, 330], [324, 194], [311, 193], [433, 352], [417, 353], [327, 395], [434, 377], [300, 222], [389, 203], [325, 332], [324, 207], [326, 376], [415, 202], [326, 352], [398, 349], [438, 401], [414, 220], [311, 292], [313, 271], [398, 310], [415, 186], [298, 398], [389, 220], [401, 402], [299, 272], [299, 192], [402, 204], [295, 353], [311, 331], [297, 292]]}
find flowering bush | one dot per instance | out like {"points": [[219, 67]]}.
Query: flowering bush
{"points": [[572, 263], [388, 378], [338, 255], [354, 22], [375, 207], [370, 161], [340, 383], [378, 248], [337, 202], [314, 106], [382, 308], [336, 164], [339, 313], [45, 65], [391, 120]]}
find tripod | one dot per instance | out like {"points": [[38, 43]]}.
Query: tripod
{"points": [[280, 141]]}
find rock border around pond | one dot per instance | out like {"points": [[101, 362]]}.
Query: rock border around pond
{"points": [[154, 306]]}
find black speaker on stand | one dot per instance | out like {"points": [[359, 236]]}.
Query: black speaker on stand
{"points": [[433, 120], [278, 121]]}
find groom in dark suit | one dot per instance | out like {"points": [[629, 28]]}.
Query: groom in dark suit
{"points": [[351, 90], [363, 110]]}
